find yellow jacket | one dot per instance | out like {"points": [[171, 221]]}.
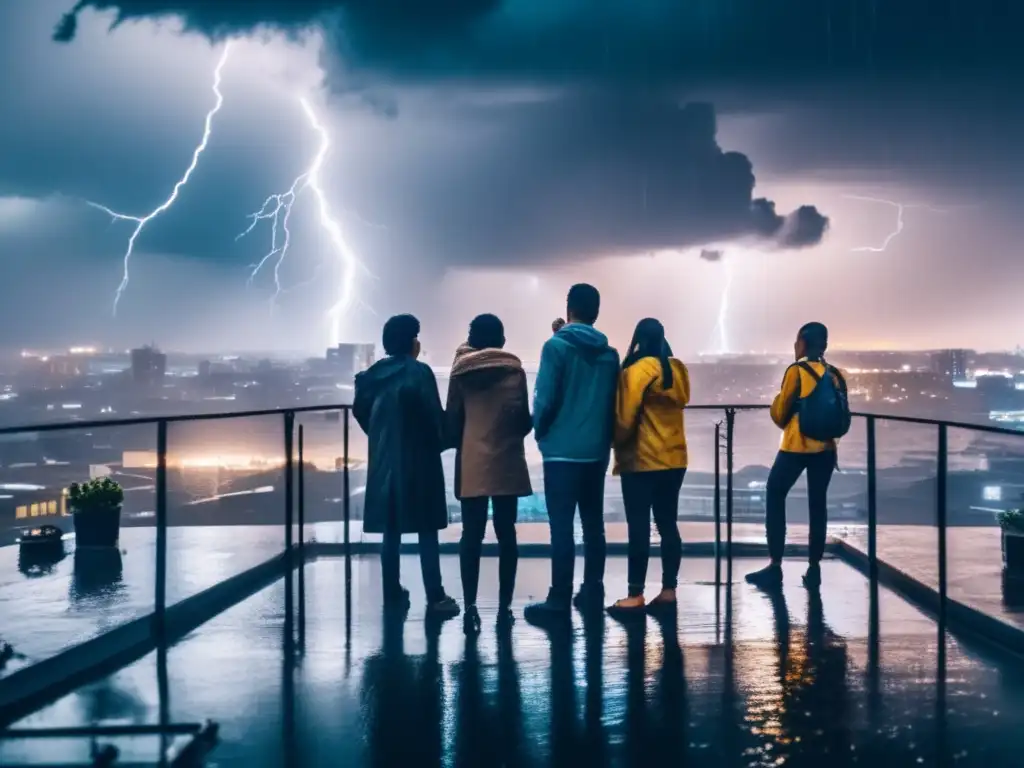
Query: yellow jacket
{"points": [[797, 383], [649, 430]]}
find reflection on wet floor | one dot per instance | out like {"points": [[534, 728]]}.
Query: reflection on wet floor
{"points": [[752, 680]]}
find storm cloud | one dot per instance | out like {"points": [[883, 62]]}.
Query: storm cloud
{"points": [[593, 165], [648, 40]]}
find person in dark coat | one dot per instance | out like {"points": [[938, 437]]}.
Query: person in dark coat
{"points": [[488, 418], [398, 407]]}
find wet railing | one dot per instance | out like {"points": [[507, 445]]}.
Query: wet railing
{"points": [[899, 511]]}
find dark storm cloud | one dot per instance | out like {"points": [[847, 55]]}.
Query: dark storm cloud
{"points": [[805, 226], [597, 169], [586, 174], [710, 255], [649, 39]]}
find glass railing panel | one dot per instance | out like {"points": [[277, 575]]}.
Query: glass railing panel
{"points": [[755, 447], [697, 497], [848, 491], [755, 444], [906, 458], [985, 478], [59, 591], [226, 501], [323, 471]]}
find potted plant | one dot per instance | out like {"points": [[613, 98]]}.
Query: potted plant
{"points": [[1012, 524], [96, 506]]}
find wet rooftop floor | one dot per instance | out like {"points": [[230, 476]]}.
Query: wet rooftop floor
{"points": [[740, 678]]}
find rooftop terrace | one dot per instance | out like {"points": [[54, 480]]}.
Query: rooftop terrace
{"points": [[274, 632]]}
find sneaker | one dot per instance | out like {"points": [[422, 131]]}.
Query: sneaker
{"points": [[589, 598], [550, 611], [443, 608], [812, 579], [397, 598], [471, 621], [766, 578]]}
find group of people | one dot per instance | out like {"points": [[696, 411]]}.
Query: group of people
{"points": [[587, 406]]}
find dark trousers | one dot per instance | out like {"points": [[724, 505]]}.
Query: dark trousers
{"points": [[642, 493], [568, 485], [430, 560], [474, 524], [784, 473]]}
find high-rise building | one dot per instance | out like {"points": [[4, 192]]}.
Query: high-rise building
{"points": [[350, 359], [149, 366], [950, 364]]}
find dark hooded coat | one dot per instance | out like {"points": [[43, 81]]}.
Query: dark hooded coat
{"points": [[488, 416], [398, 407]]}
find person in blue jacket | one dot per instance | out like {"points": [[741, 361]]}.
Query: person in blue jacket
{"points": [[573, 421]]}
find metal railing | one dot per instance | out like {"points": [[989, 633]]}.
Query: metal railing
{"points": [[295, 498]]}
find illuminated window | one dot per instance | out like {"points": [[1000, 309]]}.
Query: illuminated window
{"points": [[34, 510], [21, 511], [52, 507], [992, 493]]}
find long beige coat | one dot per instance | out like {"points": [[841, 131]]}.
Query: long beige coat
{"points": [[488, 416]]}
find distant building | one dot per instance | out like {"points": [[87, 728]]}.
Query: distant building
{"points": [[149, 366], [950, 364], [350, 359]]}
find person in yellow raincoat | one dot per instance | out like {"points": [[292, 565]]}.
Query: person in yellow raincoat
{"points": [[650, 457], [799, 453]]}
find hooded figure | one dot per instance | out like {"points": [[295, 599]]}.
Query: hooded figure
{"points": [[573, 419], [574, 397], [488, 416], [398, 407]]}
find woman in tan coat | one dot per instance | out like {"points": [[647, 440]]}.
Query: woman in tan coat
{"points": [[488, 417]]}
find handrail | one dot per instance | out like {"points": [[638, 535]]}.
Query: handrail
{"points": [[187, 417], [184, 417], [880, 416]]}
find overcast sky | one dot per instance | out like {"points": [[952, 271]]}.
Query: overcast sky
{"points": [[485, 154]]}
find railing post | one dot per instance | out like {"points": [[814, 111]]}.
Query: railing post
{"points": [[289, 480], [873, 674], [302, 543], [730, 423], [872, 502], [941, 522], [345, 487], [302, 491], [718, 500], [160, 596]]}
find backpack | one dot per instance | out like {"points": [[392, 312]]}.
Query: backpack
{"points": [[825, 412]]}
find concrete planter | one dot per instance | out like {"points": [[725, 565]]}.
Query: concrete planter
{"points": [[1013, 553], [97, 527]]}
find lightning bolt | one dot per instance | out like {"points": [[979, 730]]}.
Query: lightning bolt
{"points": [[278, 209], [723, 311], [900, 209], [142, 221]]}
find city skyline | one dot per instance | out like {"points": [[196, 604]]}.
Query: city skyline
{"points": [[459, 192]]}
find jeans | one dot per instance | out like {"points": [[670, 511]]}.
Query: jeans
{"points": [[784, 473], [568, 485], [430, 560], [474, 524], [643, 492]]}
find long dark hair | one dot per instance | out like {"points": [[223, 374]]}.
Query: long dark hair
{"points": [[649, 341]]}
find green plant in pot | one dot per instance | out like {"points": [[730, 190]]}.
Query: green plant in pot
{"points": [[96, 506], [1012, 524]]}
